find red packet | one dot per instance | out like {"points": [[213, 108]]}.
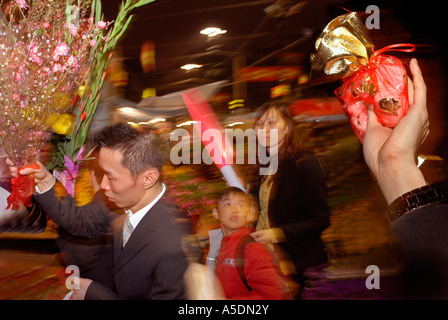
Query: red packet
{"points": [[383, 83]]}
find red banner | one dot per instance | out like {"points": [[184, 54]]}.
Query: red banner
{"points": [[316, 107], [280, 90], [265, 74]]}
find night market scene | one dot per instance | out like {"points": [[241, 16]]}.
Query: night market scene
{"points": [[223, 151]]}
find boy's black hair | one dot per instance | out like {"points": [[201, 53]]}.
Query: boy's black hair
{"points": [[231, 191], [234, 190]]}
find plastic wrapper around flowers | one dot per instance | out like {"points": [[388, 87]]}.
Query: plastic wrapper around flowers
{"points": [[345, 51]]}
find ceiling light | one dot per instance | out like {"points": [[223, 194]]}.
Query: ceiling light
{"points": [[211, 32], [186, 123], [234, 124], [153, 121], [156, 120], [190, 66]]}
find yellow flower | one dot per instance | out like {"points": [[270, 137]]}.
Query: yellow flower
{"points": [[61, 123], [81, 91], [84, 191]]}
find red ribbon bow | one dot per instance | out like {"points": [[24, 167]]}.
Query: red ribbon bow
{"points": [[382, 82]]}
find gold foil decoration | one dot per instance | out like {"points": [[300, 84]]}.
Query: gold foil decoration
{"points": [[341, 48]]}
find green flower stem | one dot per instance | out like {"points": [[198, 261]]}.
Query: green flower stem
{"points": [[90, 100]]}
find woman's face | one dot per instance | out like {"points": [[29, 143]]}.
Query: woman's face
{"points": [[271, 120]]}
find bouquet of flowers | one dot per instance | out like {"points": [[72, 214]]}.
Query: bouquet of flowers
{"points": [[49, 50]]}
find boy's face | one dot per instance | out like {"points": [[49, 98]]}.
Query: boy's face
{"points": [[234, 211]]}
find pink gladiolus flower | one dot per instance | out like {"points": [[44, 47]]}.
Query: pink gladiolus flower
{"points": [[46, 25], [93, 42], [101, 24]]}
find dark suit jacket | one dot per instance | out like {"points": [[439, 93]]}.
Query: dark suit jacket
{"points": [[298, 205], [153, 262], [423, 241], [93, 256]]}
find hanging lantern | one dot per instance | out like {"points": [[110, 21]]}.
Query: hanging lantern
{"points": [[148, 57]]}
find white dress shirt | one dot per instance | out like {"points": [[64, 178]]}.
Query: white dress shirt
{"points": [[135, 218]]}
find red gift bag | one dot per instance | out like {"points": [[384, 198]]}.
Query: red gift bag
{"points": [[382, 81]]}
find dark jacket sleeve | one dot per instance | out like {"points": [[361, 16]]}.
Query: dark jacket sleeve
{"points": [[167, 280], [423, 231], [28, 220], [423, 241], [97, 291], [91, 220]]}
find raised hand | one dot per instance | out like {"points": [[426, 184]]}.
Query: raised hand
{"points": [[42, 177], [390, 153]]}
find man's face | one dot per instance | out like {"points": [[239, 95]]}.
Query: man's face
{"points": [[119, 186]]}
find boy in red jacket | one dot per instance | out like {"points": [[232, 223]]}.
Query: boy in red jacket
{"points": [[235, 209]]}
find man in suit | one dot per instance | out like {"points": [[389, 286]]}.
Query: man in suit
{"points": [[150, 254], [93, 256]]}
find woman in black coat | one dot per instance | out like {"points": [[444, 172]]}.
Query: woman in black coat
{"points": [[293, 199]]}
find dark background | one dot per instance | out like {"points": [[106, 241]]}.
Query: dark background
{"points": [[174, 27]]}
